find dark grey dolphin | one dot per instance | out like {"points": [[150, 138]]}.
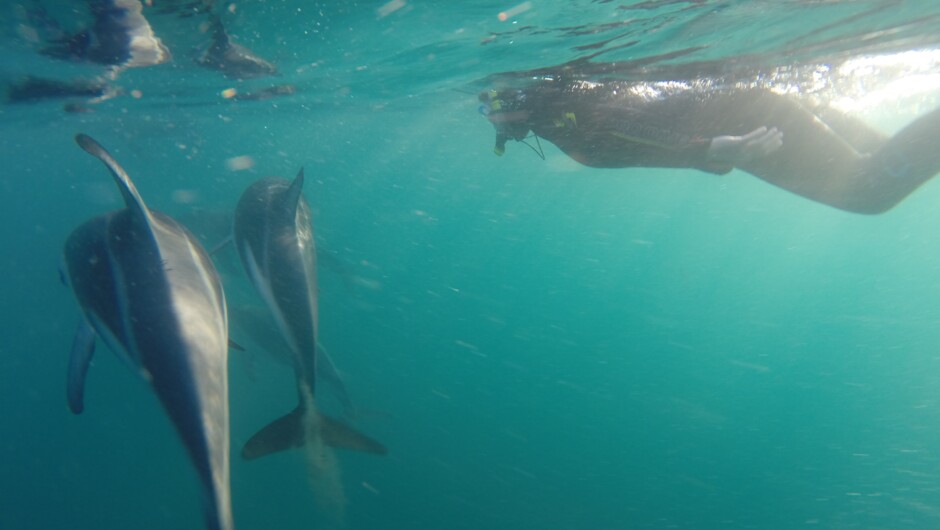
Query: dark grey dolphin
{"points": [[274, 238], [148, 289], [230, 58]]}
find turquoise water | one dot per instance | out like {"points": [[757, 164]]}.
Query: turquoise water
{"points": [[539, 344]]}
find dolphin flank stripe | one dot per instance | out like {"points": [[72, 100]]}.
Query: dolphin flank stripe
{"points": [[125, 333]]}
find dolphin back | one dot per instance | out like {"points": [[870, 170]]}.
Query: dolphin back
{"points": [[148, 289]]}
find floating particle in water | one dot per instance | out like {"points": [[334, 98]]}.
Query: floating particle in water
{"points": [[390, 8], [182, 196], [509, 13], [240, 163]]}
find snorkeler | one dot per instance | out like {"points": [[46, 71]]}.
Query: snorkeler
{"points": [[825, 156]]}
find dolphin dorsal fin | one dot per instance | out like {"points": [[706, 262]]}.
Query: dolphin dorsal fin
{"points": [[220, 37], [294, 193], [131, 198]]}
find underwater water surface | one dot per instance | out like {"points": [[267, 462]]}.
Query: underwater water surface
{"points": [[539, 344]]}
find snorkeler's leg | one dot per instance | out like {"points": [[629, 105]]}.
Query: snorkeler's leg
{"points": [[814, 161], [910, 158], [860, 135], [817, 163]]}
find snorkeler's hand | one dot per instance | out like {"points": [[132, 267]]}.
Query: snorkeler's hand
{"points": [[734, 150]]}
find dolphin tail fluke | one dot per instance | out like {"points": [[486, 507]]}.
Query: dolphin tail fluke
{"points": [[286, 432], [290, 431], [83, 348], [338, 434]]}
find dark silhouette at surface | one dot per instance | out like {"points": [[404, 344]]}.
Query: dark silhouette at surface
{"points": [[118, 37]]}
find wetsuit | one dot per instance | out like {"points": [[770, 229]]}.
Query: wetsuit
{"points": [[607, 128]]}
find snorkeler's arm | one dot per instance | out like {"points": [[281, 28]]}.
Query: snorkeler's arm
{"points": [[734, 150], [659, 148], [718, 155]]}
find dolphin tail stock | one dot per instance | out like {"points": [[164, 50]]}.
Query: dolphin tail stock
{"points": [[291, 431]]}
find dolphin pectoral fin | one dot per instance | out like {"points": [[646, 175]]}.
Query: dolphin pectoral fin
{"points": [[235, 346], [286, 432], [83, 349], [220, 245], [338, 434]]}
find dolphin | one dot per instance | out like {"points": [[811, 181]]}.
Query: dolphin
{"points": [[273, 235], [232, 59], [148, 289]]}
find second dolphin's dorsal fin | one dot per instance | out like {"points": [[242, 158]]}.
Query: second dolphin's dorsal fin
{"points": [[294, 193], [131, 198]]}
